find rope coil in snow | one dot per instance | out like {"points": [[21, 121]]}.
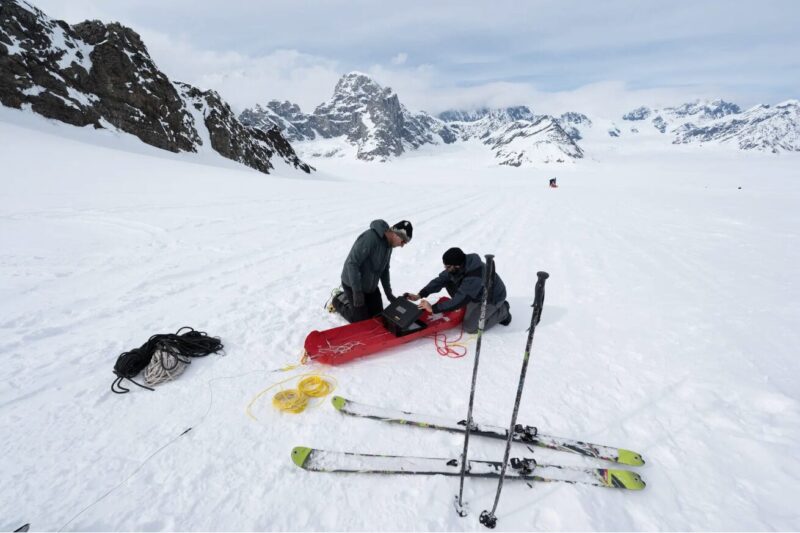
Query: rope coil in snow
{"points": [[176, 350], [164, 366], [296, 400]]}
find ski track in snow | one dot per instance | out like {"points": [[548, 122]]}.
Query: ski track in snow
{"points": [[669, 328]]}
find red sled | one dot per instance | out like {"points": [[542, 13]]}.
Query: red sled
{"points": [[345, 343]]}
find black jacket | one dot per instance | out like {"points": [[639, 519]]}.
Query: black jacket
{"points": [[464, 286], [368, 260]]}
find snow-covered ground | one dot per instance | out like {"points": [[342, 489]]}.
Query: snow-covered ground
{"points": [[670, 327]]}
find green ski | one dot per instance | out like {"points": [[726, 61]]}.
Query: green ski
{"points": [[525, 434], [519, 469]]}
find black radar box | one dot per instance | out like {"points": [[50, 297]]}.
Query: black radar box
{"points": [[402, 317]]}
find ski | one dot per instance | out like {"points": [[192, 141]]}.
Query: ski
{"points": [[526, 434], [523, 469]]}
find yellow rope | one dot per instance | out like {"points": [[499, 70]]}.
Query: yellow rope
{"points": [[315, 386], [303, 361], [290, 401], [296, 400]]}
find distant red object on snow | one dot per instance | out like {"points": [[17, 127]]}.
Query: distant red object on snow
{"points": [[345, 343]]}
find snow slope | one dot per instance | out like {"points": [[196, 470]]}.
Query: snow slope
{"points": [[669, 327]]}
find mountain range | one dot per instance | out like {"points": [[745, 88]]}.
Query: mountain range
{"points": [[762, 127], [101, 75], [371, 119]]}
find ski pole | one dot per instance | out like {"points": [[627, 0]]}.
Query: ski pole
{"points": [[488, 518], [487, 284]]}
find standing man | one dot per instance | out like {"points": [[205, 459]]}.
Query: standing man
{"points": [[366, 264], [463, 278]]}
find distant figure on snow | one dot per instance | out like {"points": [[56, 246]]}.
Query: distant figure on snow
{"points": [[553, 183], [366, 264], [463, 278]]}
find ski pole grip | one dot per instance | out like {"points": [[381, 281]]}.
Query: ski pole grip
{"points": [[538, 298], [489, 264]]}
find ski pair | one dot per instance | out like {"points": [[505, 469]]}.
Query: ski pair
{"points": [[523, 434], [522, 469]]}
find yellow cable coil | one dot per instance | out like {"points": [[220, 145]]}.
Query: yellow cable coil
{"points": [[296, 400]]}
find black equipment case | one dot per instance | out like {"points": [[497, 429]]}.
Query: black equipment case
{"points": [[402, 317]]}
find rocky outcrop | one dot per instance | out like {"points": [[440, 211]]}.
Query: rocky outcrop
{"points": [[368, 116], [232, 139], [286, 116], [516, 135], [572, 123], [102, 75], [524, 142], [640, 113]]}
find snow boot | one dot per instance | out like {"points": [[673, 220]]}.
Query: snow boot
{"points": [[336, 294], [507, 320]]}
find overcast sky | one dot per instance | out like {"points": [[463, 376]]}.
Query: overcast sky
{"points": [[597, 57]]}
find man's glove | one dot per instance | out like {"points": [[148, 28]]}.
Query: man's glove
{"points": [[358, 299], [391, 297]]}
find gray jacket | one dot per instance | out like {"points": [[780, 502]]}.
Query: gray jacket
{"points": [[465, 286], [368, 260]]}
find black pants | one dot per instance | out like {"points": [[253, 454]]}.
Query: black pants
{"points": [[494, 314], [373, 305]]}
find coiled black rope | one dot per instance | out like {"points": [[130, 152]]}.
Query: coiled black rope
{"points": [[182, 346]]}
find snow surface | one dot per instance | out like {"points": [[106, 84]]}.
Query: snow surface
{"points": [[669, 327]]}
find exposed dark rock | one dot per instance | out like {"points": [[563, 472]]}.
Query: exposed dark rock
{"points": [[102, 75], [250, 146], [572, 123], [640, 113]]}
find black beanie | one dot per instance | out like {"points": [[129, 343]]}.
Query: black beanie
{"points": [[454, 257], [404, 229]]}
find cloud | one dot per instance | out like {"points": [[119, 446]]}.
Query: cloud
{"points": [[309, 80], [466, 53], [245, 80], [400, 58], [424, 88]]}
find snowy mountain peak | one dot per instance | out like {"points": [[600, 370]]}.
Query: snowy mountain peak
{"points": [[704, 110], [697, 110], [362, 113], [358, 93], [762, 127], [516, 135], [502, 114], [640, 113], [359, 85], [572, 123], [571, 117]]}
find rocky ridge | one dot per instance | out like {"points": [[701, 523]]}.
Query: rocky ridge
{"points": [[372, 119], [762, 127], [101, 75]]}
